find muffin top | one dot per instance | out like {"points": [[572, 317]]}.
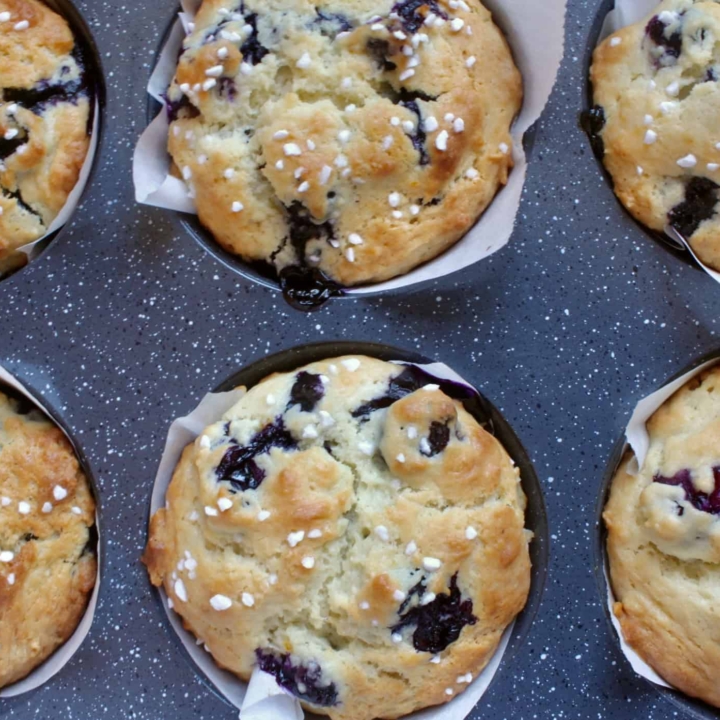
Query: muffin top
{"points": [[352, 530], [657, 92], [46, 512], [44, 118], [346, 140], [663, 544]]}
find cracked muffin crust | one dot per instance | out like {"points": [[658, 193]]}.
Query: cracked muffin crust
{"points": [[44, 119], [352, 530], [656, 86], [46, 511], [663, 541], [342, 141]]}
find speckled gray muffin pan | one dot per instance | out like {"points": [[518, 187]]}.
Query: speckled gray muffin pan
{"points": [[125, 322]]}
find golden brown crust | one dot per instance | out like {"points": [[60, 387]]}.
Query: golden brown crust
{"points": [[46, 571], [664, 551], [256, 109], [369, 529]]}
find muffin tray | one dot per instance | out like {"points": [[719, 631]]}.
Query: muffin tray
{"points": [[125, 322]]}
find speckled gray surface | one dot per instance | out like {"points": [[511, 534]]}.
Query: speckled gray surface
{"points": [[124, 323]]}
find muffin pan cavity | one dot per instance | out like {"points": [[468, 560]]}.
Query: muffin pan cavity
{"points": [[433, 626]]}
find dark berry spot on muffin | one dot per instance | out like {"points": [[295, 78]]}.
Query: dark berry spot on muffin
{"points": [[438, 623], [305, 682], [304, 228], [671, 44], [700, 204], [412, 378], [252, 50], [8, 147], [438, 438], [227, 89], [181, 108], [44, 94], [709, 503], [305, 287], [307, 391], [418, 137], [238, 466], [592, 122], [381, 50], [712, 75], [331, 24], [412, 13]]}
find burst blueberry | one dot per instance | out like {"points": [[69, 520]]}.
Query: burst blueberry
{"points": [[700, 204], [439, 623], [705, 502], [292, 677], [671, 44], [307, 391], [238, 466]]}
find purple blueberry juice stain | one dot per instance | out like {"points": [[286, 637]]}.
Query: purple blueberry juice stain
{"points": [[304, 287], [307, 391], [381, 51], [304, 681], [439, 623], [700, 204], [238, 466], [705, 502], [412, 378], [592, 122]]}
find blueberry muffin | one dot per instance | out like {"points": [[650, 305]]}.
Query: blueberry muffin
{"points": [[350, 529], [657, 93], [44, 119], [663, 544], [46, 514], [342, 140]]}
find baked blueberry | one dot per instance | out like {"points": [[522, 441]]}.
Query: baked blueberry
{"points": [[437, 623], [304, 681], [238, 465], [708, 502]]}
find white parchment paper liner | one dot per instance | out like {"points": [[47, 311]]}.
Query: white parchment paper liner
{"points": [[638, 440], [62, 655], [629, 12], [523, 22], [262, 698]]}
